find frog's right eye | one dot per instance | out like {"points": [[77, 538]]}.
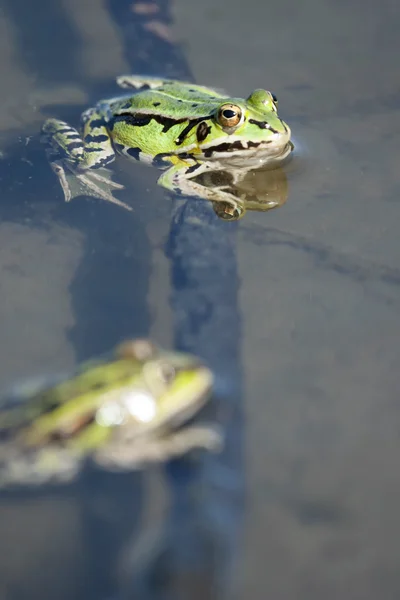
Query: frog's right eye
{"points": [[165, 371], [229, 115]]}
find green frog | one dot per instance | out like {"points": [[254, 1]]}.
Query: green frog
{"points": [[120, 411], [183, 128]]}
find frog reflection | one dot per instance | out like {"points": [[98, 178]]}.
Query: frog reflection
{"points": [[260, 190]]}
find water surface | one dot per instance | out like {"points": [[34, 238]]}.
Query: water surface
{"points": [[304, 338]]}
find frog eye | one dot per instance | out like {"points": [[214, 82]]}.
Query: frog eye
{"points": [[139, 349], [261, 98], [165, 371], [158, 375], [229, 115]]}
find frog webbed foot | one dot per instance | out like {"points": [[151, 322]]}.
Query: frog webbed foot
{"points": [[77, 159], [76, 183]]}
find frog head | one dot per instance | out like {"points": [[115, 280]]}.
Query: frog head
{"points": [[165, 390], [245, 131]]}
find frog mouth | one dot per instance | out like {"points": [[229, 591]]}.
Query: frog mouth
{"points": [[234, 147], [244, 147]]}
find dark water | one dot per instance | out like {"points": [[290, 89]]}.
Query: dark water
{"points": [[296, 310]]}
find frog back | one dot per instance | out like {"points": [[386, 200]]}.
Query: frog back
{"points": [[46, 405], [172, 101]]}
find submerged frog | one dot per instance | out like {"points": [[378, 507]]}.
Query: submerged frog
{"points": [[120, 412], [184, 128]]}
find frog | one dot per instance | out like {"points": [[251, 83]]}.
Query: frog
{"points": [[119, 412], [182, 128]]}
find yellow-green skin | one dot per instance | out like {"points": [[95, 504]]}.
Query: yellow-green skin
{"points": [[175, 126], [121, 411]]}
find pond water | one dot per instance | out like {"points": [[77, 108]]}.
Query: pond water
{"points": [[296, 309]]}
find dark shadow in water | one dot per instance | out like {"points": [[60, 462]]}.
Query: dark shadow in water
{"points": [[109, 288], [202, 249], [48, 45], [195, 554], [148, 42]]}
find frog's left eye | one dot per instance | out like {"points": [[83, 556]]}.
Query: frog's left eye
{"points": [[139, 349], [274, 98], [229, 115]]}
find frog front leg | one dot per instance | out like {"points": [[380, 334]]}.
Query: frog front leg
{"points": [[178, 178], [132, 456], [68, 151]]}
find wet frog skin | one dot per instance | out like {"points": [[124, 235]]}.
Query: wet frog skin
{"points": [[182, 128], [121, 412]]}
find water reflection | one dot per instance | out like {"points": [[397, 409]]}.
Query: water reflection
{"points": [[260, 190]]}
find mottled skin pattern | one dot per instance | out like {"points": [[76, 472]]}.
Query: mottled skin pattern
{"points": [[184, 128], [120, 411]]}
